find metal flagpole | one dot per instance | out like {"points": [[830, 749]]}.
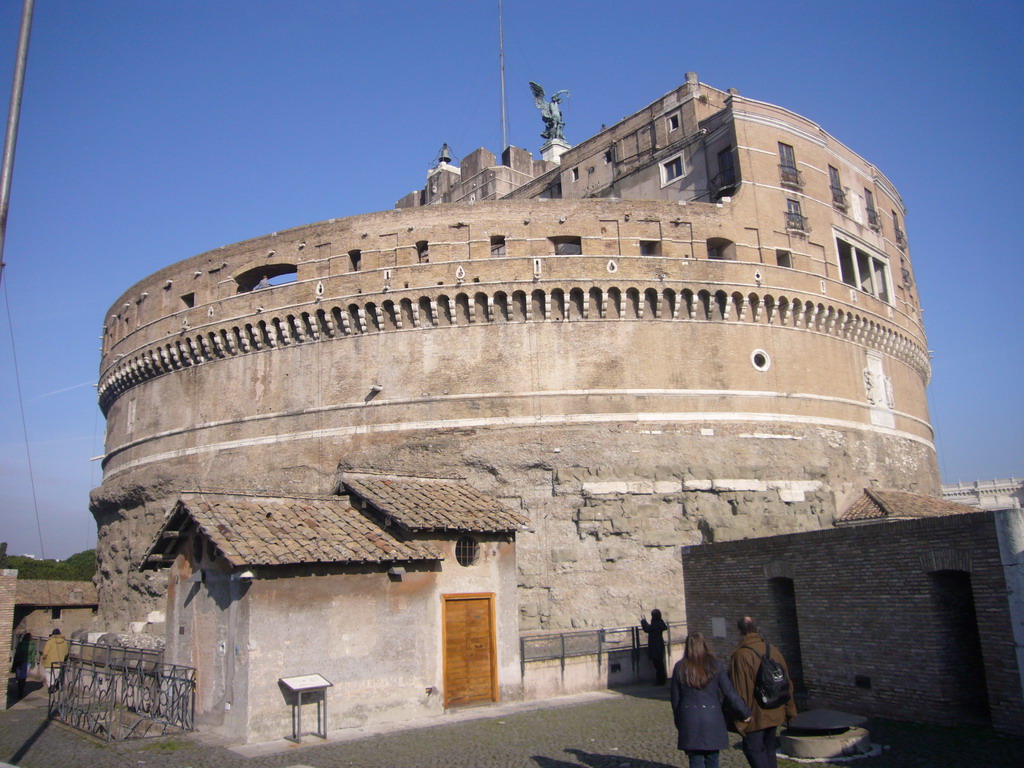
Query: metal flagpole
{"points": [[7, 166], [504, 103]]}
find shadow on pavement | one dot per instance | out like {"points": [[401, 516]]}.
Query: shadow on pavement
{"points": [[27, 745], [596, 760]]}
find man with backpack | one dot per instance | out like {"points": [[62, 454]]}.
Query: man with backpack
{"points": [[761, 678]]}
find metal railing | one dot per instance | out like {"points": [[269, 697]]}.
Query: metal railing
{"points": [[874, 220], [797, 221], [790, 176], [590, 642], [119, 693], [839, 198]]}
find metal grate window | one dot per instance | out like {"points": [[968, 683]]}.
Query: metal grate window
{"points": [[466, 550]]}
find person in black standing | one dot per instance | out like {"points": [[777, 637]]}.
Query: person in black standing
{"points": [[700, 687], [655, 630]]}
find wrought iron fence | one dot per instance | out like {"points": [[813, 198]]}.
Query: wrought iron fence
{"points": [[122, 693], [590, 642]]}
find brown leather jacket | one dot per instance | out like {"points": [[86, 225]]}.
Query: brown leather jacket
{"points": [[746, 659]]}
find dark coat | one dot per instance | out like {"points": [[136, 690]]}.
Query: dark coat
{"points": [[655, 637], [746, 660], [698, 711]]}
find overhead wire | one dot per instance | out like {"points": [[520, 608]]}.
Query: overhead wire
{"points": [[24, 421]]}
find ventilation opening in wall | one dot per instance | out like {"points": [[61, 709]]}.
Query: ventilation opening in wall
{"points": [[189, 299], [721, 249], [566, 245], [650, 248], [267, 276], [862, 681], [760, 360]]}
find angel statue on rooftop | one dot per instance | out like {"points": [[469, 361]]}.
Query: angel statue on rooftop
{"points": [[550, 112]]}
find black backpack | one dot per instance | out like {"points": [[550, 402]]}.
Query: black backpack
{"points": [[771, 686]]}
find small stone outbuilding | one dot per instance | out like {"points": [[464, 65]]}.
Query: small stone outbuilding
{"points": [[43, 605], [401, 592]]}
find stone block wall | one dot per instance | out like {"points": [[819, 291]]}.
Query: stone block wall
{"points": [[873, 630], [8, 596]]}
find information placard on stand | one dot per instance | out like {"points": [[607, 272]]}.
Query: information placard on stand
{"points": [[314, 688]]}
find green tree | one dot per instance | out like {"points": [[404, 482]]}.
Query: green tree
{"points": [[79, 567]]}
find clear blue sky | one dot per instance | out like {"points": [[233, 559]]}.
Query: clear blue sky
{"points": [[152, 131]]}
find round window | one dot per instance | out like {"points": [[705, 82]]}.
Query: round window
{"points": [[760, 360], [466, 550]]}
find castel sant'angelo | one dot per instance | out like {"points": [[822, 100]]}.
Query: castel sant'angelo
{"points": [[699, 324]]}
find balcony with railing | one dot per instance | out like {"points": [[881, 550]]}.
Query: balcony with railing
{"points": [[724, 184], [901, 238], [789, 176], [839, 199], [797, 222], [874, 220]]}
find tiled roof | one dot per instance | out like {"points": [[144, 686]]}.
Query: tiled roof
{"points": [[898, 505], [55, 593], [252, 530], [433, 504]]}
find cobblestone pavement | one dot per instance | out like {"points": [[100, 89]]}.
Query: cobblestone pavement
{"points": [[630, 729]]}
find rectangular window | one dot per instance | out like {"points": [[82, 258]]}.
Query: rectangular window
{"points": [[423, 252], [874, 221], [55, 613], [784, 259], [355, 259], [794, 216], [671, 170], [650, 248], [497, 245], [838, 195], [608, 157], [673, 122], [863, 270], [788, 172], [901, 238], [726, 168], [575, 174]]}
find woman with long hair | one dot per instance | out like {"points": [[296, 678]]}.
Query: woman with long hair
{"points": [[699, 688]]}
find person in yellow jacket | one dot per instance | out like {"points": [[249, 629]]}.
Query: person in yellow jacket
{"points": [[54, 652], [759, 732]]}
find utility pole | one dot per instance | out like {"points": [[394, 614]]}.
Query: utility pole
{"points": [[13, 114]]}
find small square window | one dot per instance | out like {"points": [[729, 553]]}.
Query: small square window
{"points": [[784, 259], [650, 248], [55, 613], [673, 122], [189, 300], [671, 170]]}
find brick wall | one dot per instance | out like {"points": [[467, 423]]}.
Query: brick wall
{"points": [[8, 594], [876, 631]]}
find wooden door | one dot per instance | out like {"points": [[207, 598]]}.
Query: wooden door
{"points": [[470, 666]]}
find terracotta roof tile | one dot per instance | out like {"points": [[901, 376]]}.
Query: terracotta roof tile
{"points": [[55, 593], [898, 505], [276, 531], [433, 504]]}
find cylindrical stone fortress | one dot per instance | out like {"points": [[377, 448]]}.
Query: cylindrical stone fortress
{"points": [[635, 374]]}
